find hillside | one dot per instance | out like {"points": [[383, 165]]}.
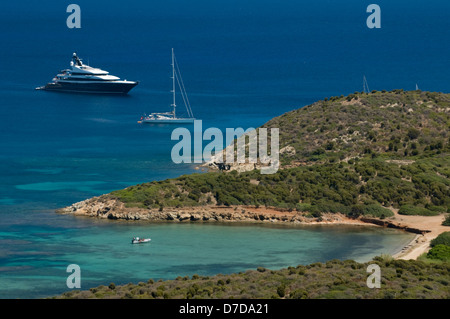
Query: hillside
{"points": [[395, 124], [331, 280], [349, 188], [344, 159], [356, 155]]}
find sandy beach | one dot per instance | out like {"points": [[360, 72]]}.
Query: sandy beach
{"points": [[421, 243]]}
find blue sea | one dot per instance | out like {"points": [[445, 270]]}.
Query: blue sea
{"points": [[243, 63]]}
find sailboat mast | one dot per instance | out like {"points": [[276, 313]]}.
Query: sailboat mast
{"points": [[173, 83], [365, 85]]}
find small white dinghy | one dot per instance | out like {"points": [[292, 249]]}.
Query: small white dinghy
{"points": [[137, 240]]}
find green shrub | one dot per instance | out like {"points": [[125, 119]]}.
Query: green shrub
{"points": [[375, 210], [416, 210], [356, 211], [327, 207], [413, 133], [303, 207], [441, 252], [299, 294], [281, 290], [446, 222], [320, 188], [442, 239]]}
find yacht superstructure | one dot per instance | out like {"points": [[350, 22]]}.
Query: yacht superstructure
{"points": [[83, 78]]}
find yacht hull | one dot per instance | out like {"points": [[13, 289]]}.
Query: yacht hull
{"points": [[169, 121], [122, 87]]}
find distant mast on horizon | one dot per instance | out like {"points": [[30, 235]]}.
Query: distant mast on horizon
{"points": [[365, 85]]}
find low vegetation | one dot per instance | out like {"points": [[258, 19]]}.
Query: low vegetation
{"points": [[356, 155], [440, 249], [446, 222], [330, 280], [442, 239], [359, 187], [398, 124]]}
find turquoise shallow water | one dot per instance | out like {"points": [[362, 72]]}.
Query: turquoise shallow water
{"points": [[35, 258], [243, 63]]}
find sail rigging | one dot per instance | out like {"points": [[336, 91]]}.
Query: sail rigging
{"points": [[365, 85], [171, 117]]}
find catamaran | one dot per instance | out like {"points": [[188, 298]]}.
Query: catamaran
{"points": [[171, 117]]}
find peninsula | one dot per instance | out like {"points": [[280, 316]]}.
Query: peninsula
{"points": [[380, 158], [377, 159]]}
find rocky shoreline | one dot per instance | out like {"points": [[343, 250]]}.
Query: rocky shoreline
{"points": [[104, 207], [107, 208], [426, 228]]}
